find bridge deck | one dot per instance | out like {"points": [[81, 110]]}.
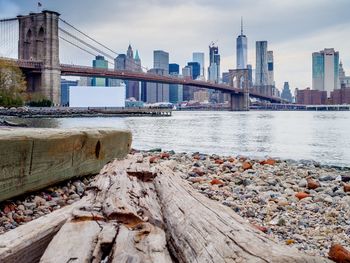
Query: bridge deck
{"points": [[75, 70]]}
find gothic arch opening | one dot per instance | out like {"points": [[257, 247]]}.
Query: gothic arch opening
{"points": [[241, 82], [40, 44], [28, 44]]}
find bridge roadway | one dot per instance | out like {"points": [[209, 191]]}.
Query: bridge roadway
{"points": [[83, 71]]}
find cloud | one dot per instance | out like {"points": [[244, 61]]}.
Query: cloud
{"points": [[293, 29]]}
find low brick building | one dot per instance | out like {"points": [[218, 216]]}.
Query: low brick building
{"points": [[311, 97], [341, 96]]}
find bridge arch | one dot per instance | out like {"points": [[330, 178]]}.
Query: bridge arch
{"points": [[28, 44], [40, 43]]}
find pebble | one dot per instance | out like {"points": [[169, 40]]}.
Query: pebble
{"points": [[28, 208], [265, 193]]}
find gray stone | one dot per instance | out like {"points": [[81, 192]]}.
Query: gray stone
{"points": [[302, 183]]}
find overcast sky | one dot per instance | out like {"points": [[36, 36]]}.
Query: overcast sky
{"points": [[293, 28]]}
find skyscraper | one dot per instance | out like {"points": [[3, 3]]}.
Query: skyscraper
{"points": [[129, 62], [261, 69], [195, 69], [270, 69], [175, 90], [100, 62], [241, 49], [286, 93], [199, 58], [158, 92], [161, 60], [132, 87], [214, 64], [325, 70]]}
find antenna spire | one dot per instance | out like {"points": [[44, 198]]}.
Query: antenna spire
{"points": [[241, 25]]}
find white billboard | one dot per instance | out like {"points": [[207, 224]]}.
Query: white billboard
{"points": [[87, 96]]}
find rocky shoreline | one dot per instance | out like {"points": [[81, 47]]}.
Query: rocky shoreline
{"points": [[301, 204]]}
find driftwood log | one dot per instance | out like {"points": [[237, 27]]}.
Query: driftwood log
{"points": [[135, 213]]}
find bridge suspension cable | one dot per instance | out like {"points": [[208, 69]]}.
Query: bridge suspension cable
{"points": [[86, 35], [85, 43], [9, 37], [101, 52]]}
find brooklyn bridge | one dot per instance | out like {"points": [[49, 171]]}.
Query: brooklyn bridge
{"points": [[38, 41]]}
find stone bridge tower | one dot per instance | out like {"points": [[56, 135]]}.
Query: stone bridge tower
{"points": [[239, 79], [38, 41]]}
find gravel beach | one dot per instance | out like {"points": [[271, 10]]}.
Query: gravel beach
{"points": [[301, 204]]}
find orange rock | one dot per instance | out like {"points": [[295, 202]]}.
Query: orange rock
{"points": [[247, 165], [216, 181], [346, 188], [164, 155], [269, 162], [301, 195], [198, 171], [311, 184], [231, 160], [339, 254], [219, 161], [290, 241], [153, 159]]}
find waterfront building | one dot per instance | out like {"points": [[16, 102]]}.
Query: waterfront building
{"points": [[201, 96], [286, 93], [340, 96], [311, 97], [129, 62], [241, 50], [343, 79], [261, 69], [100, 62], [325, 70], [157, 92], [120, 62], [199, 58], [134, 64], [214, 64], [187, 90], [65, 86], [270, 69], [84, 81], [174, 69], [161, 60], [175, 90]]}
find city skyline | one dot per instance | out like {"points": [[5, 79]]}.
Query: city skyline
{"points": [[293, 31]]}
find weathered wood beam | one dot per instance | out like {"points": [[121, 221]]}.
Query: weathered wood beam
{"points": [[32, 159]]}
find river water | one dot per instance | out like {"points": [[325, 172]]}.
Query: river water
{"points": [[319, 136]]}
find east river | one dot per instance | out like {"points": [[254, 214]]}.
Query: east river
{"points": [[318, 136]]}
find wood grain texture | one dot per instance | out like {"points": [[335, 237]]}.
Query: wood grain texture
{"points": [[202, 230], [27, 243], [32, 159], [129, 217]]}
